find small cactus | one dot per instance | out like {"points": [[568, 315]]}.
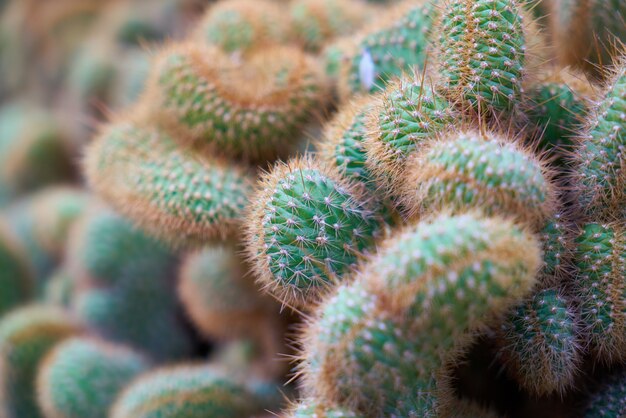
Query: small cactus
{"points": [[315, 22], [26, 336], [600, 256], [377, 344], [466, 170], [556, 239], [81, 377], [609, 401], [307, 229], [16, 277], [208, 393], [252, 110], [172, 193], [600, 158], [539, 343], [243, 25]]}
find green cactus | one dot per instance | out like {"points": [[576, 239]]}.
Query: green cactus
{"points": [[556, 238], [315, 22], [557, 107], [393, 45], [380, 344], [610, 400], [600, 257], [408, 115], [482, 54], [26, 336], [16, 276], [539, 343], [307, 229], [312, 409], [81, 377], [252, 110], [467, 171], [170, 192], [124, 287], [601, 165], [185, 391], [243, 25]]}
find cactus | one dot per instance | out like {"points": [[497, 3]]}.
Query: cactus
{"points": [[408, 115], [81, 377], [16, 278], [172, 193], [601, 165], [556, 238], [600, 256], [307, 229], [252, 110], [315, 22], [243, 25], [380, 344], [26, 336], [312, 409], [393, 45], [557, 107], [124, 287], [609, 401], [481, 52], [539, 343], [185, 391], [467, 170], [59, 288]]}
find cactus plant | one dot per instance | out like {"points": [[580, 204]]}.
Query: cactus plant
{"points": [[308, 228], [124, 287], [26, 336], [252, 110], [16, 276], [311, 409], [81, 377], [380, 344], [469, 170], [243, 25], [315, 22], [609, 401], [539, 343], [556, 239], [59, 288], [600, 256], [601, 165], [207, 393], [172, 193]]}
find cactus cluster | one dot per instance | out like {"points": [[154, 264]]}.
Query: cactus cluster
{"points": [[312, 208]]}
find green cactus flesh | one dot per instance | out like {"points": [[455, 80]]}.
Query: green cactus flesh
{"points": [[601, 158], [539, 343], [312, 409], [309, 230], [600, 257], [82, 377], [555, 238], [482, 53], [377, 343], [16, 280], [610, 400], [26, 336]]}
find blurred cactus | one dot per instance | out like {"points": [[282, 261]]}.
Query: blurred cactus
{"points": [[81, 377], [610, 399], [59, 288], [26, 336], [16, 278]]}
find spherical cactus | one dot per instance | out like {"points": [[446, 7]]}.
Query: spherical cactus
{"points": [[221, 301], [466, 170], [408, 115], [172, 193], [380, 344], [539, 343], [557, 107], [252, 110], [482, 54], [609, 401], [242, 25], [124, 287], [391, 46], [315, 22], [16, 276], [185, 391], [600, 256], [601, 159], [26, 336], [33, 150], [306, 230], [81, 377]]}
